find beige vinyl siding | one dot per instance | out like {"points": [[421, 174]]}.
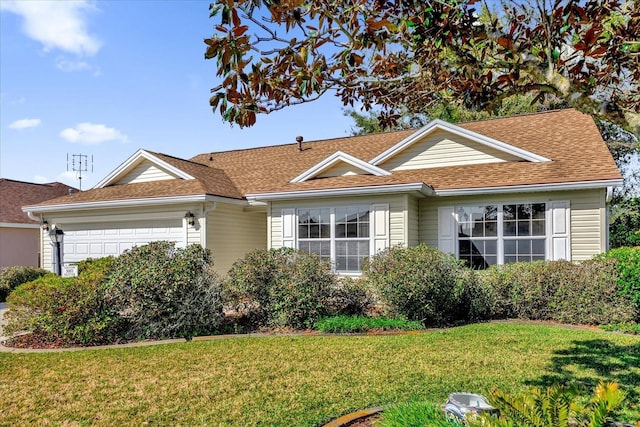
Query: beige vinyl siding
{"points": [[397, 214], [233, 231], [145, 172], [341, 169], [442, 148], [587, 216], [413, 220]]}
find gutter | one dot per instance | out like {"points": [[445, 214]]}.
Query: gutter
{"points": [[30, 210], [418, 187]]}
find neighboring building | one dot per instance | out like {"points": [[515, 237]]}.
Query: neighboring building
{"points": [[495, 191], [19, 235]]}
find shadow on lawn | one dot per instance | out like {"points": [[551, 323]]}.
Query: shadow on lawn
{"points": [[602, 360]]}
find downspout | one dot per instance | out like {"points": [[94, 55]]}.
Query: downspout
{"points": [[607, 214], [206, 208], [39, 219]]}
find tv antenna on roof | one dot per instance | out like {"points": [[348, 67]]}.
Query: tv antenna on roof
{"points": [[79, 164]]}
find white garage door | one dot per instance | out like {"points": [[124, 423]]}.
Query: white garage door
{"points": [[99, 240]]}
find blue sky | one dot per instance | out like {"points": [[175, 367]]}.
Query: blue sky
{"points": [[106, 78]]}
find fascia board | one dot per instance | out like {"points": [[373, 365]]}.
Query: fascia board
{"points": [[582, 185], [336, 157], [457, 130], [418, 187], [18, 225], [133, 160], [122, 203]]}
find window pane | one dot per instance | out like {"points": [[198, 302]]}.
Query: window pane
{"points": [[537, 228], [538, 247], [363, 248], [524, 211], [352, 247], [352, 230], [491, 229], [523, 228], [314, 247], [464, 230], [478, 263], [491, 247], [538, 211], [314, 231], [363, 230], [490, 213], [491, 260], [509, 212], [341, 231], [524, 247], [464, 247], [341, 215], [509, 228], [325, 231], [508, 259], [466, 260], [478, 229], [303, 232], [303, 246], [341, 263], [353, 263], [509, 247], [303, 216], [341, 248], [537, 258]]}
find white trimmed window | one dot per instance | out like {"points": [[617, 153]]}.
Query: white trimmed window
{"points": [[341, 235], [501, 233]]}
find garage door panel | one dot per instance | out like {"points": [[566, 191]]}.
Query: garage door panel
{"points": [[83, 241]]}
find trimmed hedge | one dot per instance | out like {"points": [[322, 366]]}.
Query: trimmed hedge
{"points": [[12, 277], [281, 288], [628, 265], [425, 284], [562, 291]]}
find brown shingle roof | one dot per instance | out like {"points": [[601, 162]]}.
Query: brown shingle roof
{"points": [[569, 138], [15, 194]]}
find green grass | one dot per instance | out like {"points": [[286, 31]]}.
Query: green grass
{"points": [[304, 380], [351, 324], [415, 414], [627, 328]]}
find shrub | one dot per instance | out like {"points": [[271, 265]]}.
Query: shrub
{"points": [[557, 406], [12, 277], [65, 311], [351, 297], [355, 324], [562, 291], [161, 291], [624, 229], [281, 287], [628, 265], [422, 283]]}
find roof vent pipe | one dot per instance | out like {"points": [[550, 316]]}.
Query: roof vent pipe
{"points": [[299, 140]]}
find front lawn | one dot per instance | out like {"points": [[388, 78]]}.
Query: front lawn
{"points": [[303, 380]]}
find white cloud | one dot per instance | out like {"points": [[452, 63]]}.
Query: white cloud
{"points": [[91, 134], [39, 179], [56, 24], [24, 124], [70, 66]]}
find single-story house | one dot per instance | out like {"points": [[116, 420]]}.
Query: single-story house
{"points": [[20, 235], [522, 188]]}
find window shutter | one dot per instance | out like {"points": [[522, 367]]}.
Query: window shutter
{"points": [[288, 228], [446, 230], [380, 226], [560, 245]]}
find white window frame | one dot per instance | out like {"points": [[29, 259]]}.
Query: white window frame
{"points": [[333, 239], [500, 237]]}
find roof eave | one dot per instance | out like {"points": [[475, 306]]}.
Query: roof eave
{"points": [[124, 203], [560, 186], [418, 188]]}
